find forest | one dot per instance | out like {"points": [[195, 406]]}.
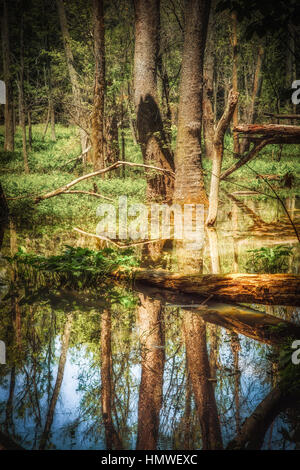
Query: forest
{"points": [[150, 225]]}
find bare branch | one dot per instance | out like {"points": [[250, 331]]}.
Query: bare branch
{"points": [[115, 165]]}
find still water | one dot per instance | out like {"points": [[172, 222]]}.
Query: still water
{"points": [[123, 367]]}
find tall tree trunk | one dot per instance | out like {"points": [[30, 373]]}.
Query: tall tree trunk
{"points": [[150, 129], [99, 87], [8, 79], [77, 99], [152, 341], [22, 98], [189, 182], [111, 436], [59, 379]]}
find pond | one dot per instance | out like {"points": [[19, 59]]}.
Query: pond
{"points": [[126, 366]]}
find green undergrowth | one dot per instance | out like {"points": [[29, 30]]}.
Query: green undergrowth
{"points": [[75, 268]]}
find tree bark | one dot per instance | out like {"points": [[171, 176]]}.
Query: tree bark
{"points": [[151, 135], [208, 86], [8, 79], [236, 145], [270, 130], [189, 181], [97, 135]]}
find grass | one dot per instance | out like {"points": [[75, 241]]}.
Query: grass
{"points": [[48, 170]]}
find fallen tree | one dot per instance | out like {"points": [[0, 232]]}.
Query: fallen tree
{"points": [[270, 130], [267, 289]]}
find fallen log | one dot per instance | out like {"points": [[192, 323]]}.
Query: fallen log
{"points": [[267, 289], [268, 129], [240, 319]]}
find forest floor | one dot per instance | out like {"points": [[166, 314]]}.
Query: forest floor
{"points": [[51, 219]]}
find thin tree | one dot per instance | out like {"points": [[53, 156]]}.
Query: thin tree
{"points": [[8, 79], [77, 99], [97, 135]]}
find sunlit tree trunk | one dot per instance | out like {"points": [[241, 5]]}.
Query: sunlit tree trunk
{"points": [[59, 378], [111, 436], [8, 79], [189, 182], [99, 87], [151, 135], [152, 341]]}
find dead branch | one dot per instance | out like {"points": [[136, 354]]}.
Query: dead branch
{"points": [[90, 193], [115, 165], [246, 158], [269, 130]]}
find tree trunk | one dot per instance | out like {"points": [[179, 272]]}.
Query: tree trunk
{"points": [[8, 79], [112, 438], [236, 146], [99, 87], [151, 333], [77, 100], [21, 97], [150, 129], [208, 88], [189, 182], [59, 379], [217, 156]]}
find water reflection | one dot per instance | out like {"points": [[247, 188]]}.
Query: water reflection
{"points": [[123, 368]]}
